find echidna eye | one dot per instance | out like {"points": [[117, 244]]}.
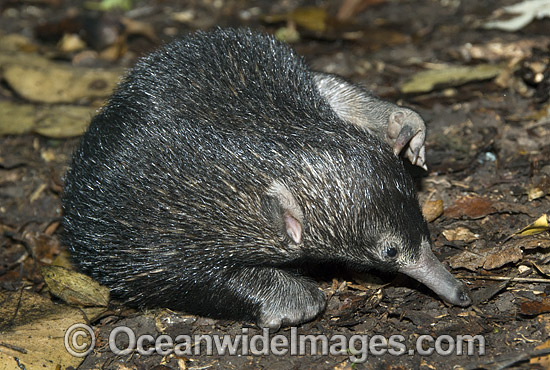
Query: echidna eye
{"points": [[391, 252]]}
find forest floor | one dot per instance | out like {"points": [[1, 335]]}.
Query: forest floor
{"points": [[479, 76]]}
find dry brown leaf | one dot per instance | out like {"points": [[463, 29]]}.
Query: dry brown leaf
{"points": [[460, 233], [543, 269], [494, 257], [350, 8], [56, 121], [310, 17], [544, 361], [432, 209], [535, 192], [16, 119], [502, 257], [71, 42], [467, 260], [532, 243], [33, 331], [74, 287], [429, 80], [62, 121], [533, 308], [17, 42], [470, 206], [49, 82], [145, 29], [537, 227]]}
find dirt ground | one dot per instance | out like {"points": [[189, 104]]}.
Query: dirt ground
{"points": [[478, 76]]}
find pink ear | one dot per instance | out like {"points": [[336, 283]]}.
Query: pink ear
{"points": [[293, 227], [287, 210]]}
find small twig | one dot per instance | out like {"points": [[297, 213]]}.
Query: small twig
{"points": [[203, 367], [15, 348], [506, 278]]}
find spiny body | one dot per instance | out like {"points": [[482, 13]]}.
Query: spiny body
{"points": [[222, 165]]}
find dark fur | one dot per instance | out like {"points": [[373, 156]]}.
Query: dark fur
{"points": [[165, 201]]}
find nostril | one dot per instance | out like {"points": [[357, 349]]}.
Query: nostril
{"points": [[464, 298]]}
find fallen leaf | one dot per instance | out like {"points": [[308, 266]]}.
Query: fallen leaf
{"points": [[71, 42], [184, 16], [544, 361], [470, 206], [309, 17], [16, 42], [33, 331], [533, 308], [432, 209], [287, 34], [51, 82], [467, 260], [350, 8], [506, 207], [502, 257], [138, 28], [487, 291], [74, 287], [537, 227], [535, 193], [62, 121], [56, 121], [16, 119], [539, 187], [427, 81], [63, 259], [460, 233], [108, 5], [543, 269], [522, 269], [532, 243], [494, 257]]}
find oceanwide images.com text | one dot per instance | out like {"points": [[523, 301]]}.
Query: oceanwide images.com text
{"points": [[80, 341]]}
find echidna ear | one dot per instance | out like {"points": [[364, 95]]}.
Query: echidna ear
{"points": [[293, 227], [287, 211]]}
